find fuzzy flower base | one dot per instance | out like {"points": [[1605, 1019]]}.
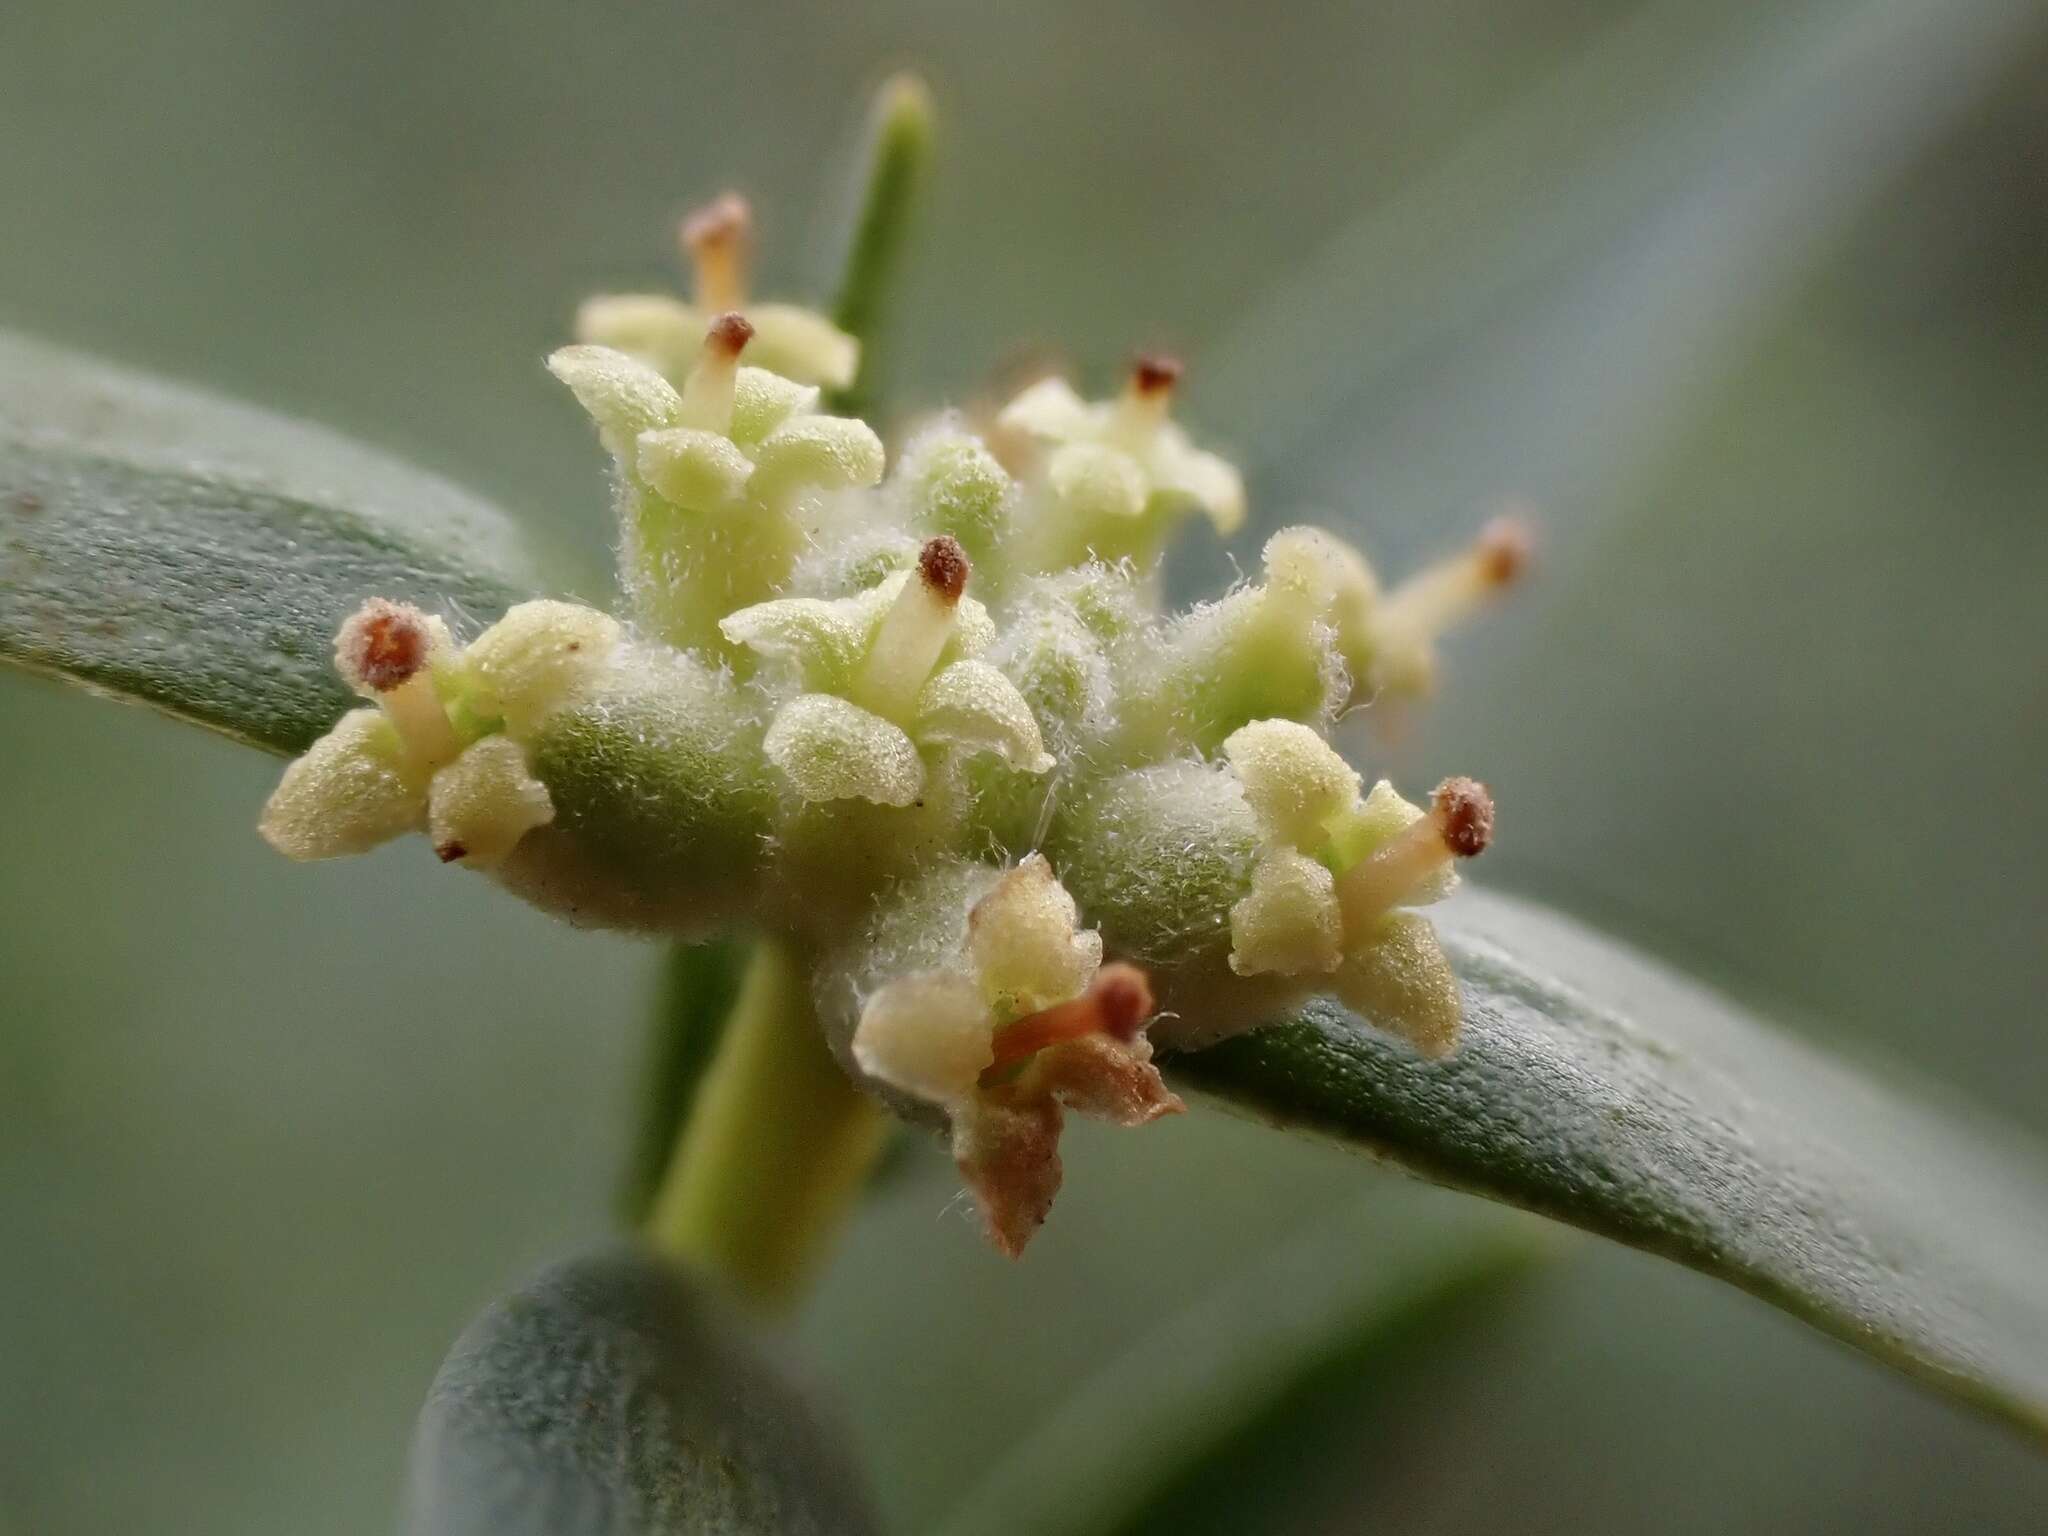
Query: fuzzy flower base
{"points": [[923, 720]]}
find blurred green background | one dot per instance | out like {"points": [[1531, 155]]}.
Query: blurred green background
{"points": [[1751, 300]]}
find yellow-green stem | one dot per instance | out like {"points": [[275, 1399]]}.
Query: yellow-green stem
{"points": [[775, 1147]]}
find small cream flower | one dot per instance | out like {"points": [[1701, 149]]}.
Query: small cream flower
{"points": [[665, 332], [1388, 639], [1026, 1023], [884, 674], [1117, 472], [433, 755], [1333, 869], [728, 434], [712, 475]]}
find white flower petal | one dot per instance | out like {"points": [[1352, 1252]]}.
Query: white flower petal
{"points": [[816, 453], [1210, 482], [833, 750], [928, 1034], [1403, 983], [623, 395], [1048, 409], [1022, 942], [662, 330], [537, 656], [823, 638], [346, 795], [1095, 483], [801, 344], [1295, 782], [481, 804], [763, 401], [1289, 923], [704, 471], [973, 706]]}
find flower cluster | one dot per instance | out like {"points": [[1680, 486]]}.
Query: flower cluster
{"points": [[922, 718]]}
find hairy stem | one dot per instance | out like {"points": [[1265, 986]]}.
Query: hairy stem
{"points": [[775, 1147]]}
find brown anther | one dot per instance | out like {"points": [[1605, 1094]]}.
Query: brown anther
{"points": [[1154, 373], [1464, 814], [1117, 1003], [1503, 547], [383, 644], [943, 567], [730, 333], [724, 221]]}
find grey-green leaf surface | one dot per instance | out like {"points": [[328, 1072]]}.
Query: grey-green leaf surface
{"points": [[1593, 1086], [1219, 1392], [176, 549], [614, 1396]]}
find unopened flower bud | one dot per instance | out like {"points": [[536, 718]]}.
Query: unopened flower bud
{"points": [[954, 485]]}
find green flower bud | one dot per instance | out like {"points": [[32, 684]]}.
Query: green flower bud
{"points": [[1158, 857], [951, 484], [663, 801]]}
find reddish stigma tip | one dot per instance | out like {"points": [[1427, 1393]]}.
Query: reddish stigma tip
{"points": [[1464, 813], [1123, 997], [1504, 547], [724, 219], [383, 644], [943, 566], [1154, 373], [730, 333]]}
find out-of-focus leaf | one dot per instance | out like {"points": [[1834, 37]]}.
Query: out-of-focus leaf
{"points": [[172, 548], [1231, 1378], [613, 1396], [1592, 1086], [1525, 320], [698, 986]]}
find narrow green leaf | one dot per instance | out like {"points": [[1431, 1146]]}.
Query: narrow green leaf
{"points": [[898, 156], [698, 985], [1191, 1416], [613, 1396], [172, 548], [1597, 1088]]}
